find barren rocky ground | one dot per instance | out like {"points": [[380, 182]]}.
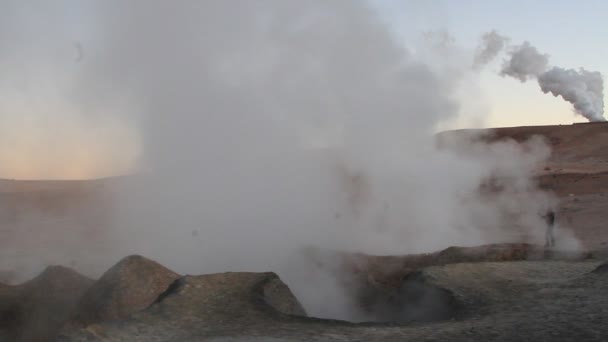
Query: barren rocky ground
{"points": [[521, 293], [554, 298], [501, 292]]}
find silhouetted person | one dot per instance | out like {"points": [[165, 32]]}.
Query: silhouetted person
{"points": [[550, 220]]}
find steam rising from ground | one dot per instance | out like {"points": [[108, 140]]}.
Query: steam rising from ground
{"points": [[272, 126], [582, 88]]}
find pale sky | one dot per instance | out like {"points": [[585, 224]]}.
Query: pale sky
{"points": [[573, 33]]}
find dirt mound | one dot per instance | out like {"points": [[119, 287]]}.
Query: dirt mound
{"points": [[197, 306], [464, 300], [389, 271], [277, 295], [390, 288], [60, 298], [506, 301], [37, 309], [129, 286]]}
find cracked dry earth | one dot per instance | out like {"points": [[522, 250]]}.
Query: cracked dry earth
{"points": [[498, 301]]}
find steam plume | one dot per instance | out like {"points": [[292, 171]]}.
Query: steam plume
{"points": [[525, 62], [491, 45], [272, 126], [582, 88]]}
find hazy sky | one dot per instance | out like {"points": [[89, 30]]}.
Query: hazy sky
{"points": [[572, 32]]}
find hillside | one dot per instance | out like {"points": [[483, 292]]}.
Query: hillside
{"points": [[577, 172]]}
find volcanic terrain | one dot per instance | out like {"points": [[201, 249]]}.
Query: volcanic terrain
{"points": [[499, 292]]}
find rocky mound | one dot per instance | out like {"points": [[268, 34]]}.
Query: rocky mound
{"points": [[498, 301], [380, 266], [37, 309], [129, 286], [197, 307], [60, 298], [387, 283], [277, 295], [455, 294]]}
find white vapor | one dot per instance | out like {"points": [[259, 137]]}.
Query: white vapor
{"points": [[525, 62], [276, 125], [583, 89], [492, 43]]}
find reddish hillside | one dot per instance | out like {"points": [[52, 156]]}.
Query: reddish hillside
{"points": [[576, 148], [577, 172]]}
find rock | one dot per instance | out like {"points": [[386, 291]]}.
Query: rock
{"points": [[376, 283], [131, 285], [198, 306], [497, 301], [36, 310], [278, 296]]}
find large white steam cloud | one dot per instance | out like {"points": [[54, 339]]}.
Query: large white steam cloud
{"points": [[276, 125], [525, 63], [583, 89]]}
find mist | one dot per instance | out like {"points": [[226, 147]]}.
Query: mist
{"points": [[261, 129]]}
